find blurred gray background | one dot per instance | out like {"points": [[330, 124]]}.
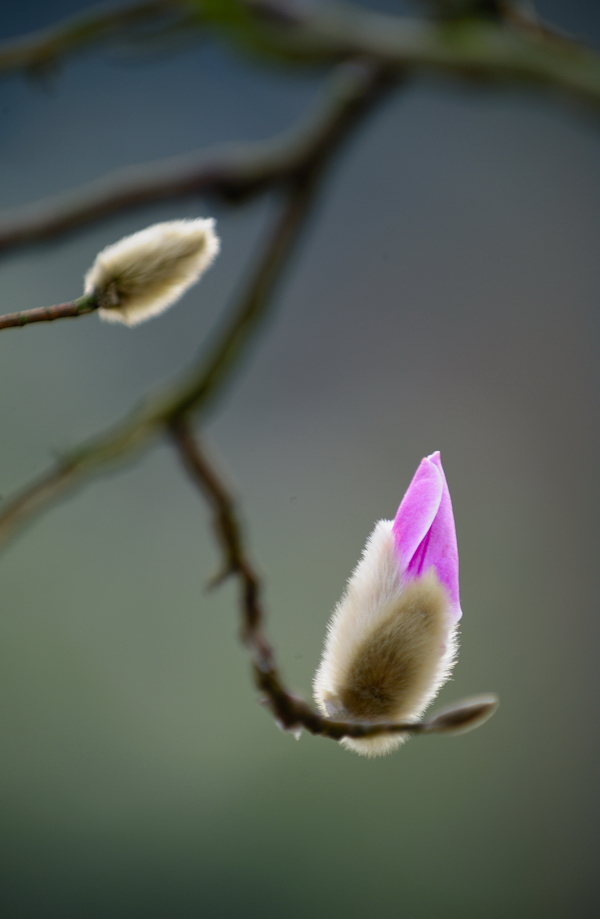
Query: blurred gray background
{"points": [[445, 297]]}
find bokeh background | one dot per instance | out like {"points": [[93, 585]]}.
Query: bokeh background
{"points": [[445, 297]]}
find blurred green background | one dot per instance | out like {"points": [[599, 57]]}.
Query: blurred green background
{"points": [[445, 297]]}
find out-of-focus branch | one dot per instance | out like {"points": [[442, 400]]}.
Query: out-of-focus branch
{"points": [[511, 48], [506, 52], [355, 89], [291, 712], [70, 310], [233, 172], [43, 48], [509, 51]]}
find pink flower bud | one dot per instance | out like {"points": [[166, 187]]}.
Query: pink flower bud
{"points": [[391, 641]]}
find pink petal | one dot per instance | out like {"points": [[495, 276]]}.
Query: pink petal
{"points": [[417, 511], [439, 549]]}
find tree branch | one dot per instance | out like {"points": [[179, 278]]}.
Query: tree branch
{"points": [[291, 712], [41, 49], [355, 89]]}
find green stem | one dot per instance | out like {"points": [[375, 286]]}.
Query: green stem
{"points": [[70, 310]]}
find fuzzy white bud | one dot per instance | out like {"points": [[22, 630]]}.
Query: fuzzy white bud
{"points": [[390, 646], [142, 275]]}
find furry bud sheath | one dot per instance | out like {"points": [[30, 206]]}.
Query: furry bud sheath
{"points": [[142, 275], [392, 638]]}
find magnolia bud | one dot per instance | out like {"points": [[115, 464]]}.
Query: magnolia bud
{"points": [[392, 638], [142, 275]]}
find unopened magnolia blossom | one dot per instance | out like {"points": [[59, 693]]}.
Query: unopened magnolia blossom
{"points": [[142, 275], [392, 638]]}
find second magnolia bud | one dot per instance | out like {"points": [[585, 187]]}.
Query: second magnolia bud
{"points": [[142, 275]]}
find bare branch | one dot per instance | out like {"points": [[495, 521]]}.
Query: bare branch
{"points": [[356, 88], [291, 712], [70, 310], [45, 47]]}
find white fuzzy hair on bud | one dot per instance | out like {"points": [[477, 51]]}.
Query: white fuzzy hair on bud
{"points": [[142, 275], [390, 646]]}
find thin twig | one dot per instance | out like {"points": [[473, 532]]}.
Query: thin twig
{"points": [[71, 310], [355, 90], [291, 712], [39, 50]]}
